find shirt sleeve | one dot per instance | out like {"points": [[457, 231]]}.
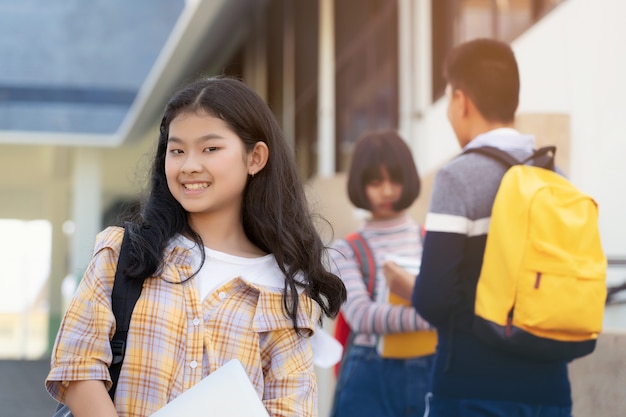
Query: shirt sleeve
{"points": [[82, 349], [363, 314], [439, 289]]}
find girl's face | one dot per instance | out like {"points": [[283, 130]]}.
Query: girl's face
{"points": [[382, 195], [206, 165]]}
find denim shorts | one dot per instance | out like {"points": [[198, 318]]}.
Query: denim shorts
{"points": [[369, 385], [456, 407]]}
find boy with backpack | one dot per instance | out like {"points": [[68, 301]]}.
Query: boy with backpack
{"points": [[471, 376]]}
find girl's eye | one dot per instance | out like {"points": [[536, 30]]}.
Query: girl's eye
{"points": [[175, 151], [210, 149]]}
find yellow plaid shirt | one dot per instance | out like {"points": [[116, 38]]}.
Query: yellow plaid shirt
{"points": [[175, 339]]}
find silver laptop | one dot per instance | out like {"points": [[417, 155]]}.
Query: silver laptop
{"points": [[226, 392]]}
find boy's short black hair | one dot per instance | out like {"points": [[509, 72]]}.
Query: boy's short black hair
{"points": [[376, 149], [486, 71]]}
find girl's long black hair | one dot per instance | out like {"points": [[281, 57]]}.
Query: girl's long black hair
{"points": [[275, 213]]}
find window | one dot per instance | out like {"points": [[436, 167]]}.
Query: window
{"points": [[366, 70]]}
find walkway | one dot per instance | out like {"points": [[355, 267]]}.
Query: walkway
{"points": [[22, 392]]}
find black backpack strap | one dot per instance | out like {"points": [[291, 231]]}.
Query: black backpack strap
{"points": [[126, 292], [542, 157], [499, 155]]}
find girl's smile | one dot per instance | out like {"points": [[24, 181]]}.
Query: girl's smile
{"points": [[196, 186]]}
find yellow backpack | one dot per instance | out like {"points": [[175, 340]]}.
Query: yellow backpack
{"points": [[542, 287]]}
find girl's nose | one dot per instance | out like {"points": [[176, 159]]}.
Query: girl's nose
{"points": [[387, 187], [191, 164]]}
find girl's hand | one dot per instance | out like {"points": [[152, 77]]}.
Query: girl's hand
{"points": [[399, 280]]}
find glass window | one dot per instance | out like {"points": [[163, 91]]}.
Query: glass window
{"points": [[366, 70]]}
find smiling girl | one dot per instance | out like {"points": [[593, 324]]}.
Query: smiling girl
{"points": [[234, 264]]}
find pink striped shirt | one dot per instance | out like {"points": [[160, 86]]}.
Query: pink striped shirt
{"points": [[371, 317]]}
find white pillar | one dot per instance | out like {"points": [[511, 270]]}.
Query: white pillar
{"points": [[326, 94], [406, 69], [56, 199], [86, 206], [326, 148], [415, 73]]}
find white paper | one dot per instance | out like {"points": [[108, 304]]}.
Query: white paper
{"points": [[327, 350], [227, 392]]}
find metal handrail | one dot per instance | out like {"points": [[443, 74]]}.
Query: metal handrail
{"points": [[616, 260]]}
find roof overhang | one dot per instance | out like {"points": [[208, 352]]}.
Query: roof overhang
{"points": [[207, 31]]}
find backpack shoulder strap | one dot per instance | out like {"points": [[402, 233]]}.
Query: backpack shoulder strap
{"points": [[365, 257], [126, 292], [542, 157], [499, 155]]}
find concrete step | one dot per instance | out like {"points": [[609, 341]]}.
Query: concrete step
{"points": [[22, 392]]}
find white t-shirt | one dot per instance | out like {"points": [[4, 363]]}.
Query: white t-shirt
{"points": [[220, 267]]}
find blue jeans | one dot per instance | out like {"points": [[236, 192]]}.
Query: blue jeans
{"points": [[454, 407], [369, 385]]}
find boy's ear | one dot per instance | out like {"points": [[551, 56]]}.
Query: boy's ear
{"points": [[257, 158], [463, 101]]}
